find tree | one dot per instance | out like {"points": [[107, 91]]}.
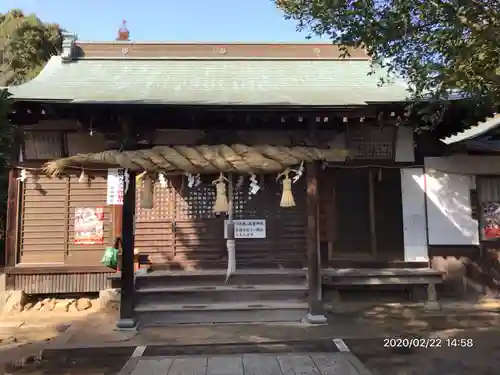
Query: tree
{"points": [[436, 45], [27, 45]]}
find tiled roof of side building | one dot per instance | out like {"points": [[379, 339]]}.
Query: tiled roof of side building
{"points": [[474, 131]]}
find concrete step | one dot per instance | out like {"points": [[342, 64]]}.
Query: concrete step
{"points": [[247, 312], [221, 293], [218, 277]]}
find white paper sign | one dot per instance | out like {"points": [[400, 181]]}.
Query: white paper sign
{"points": [[115, 186], [247, 228]]}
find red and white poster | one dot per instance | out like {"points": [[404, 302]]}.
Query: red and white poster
{"points": [[89, 226], [491, 220]]}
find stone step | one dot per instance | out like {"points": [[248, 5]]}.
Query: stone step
{"points": [[221, 293], [247, 312], [218, 277]]}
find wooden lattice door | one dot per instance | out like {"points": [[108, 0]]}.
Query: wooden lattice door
{"points": [[198, 231], [181, 230], [284, 245], [154, 227]]}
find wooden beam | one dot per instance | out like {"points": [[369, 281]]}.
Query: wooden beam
{"points": [[316, 309]]}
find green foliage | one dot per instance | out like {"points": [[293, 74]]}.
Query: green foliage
{"points": [[436, 45], [28, 43]]}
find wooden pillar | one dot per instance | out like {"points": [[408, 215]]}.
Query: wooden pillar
{"points": [[316, 308], [116, 217], [12, 219], [230, 242], [127, 319], [372, 211]]}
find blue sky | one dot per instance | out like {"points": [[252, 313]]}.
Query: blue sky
{"points": [[166, 20]]}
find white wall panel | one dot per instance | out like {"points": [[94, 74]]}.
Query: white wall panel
{"points": [[414, 226]]}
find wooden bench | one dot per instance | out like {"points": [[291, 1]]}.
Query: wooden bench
{"points": [[343, 277]]}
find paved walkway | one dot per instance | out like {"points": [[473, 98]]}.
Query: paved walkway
{"points": [[318, 357], [247, 364]]}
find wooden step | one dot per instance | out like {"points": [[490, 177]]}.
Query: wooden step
{"points": [[218, 277], [221, 264], [221, 293], [247, 312], [386, 276]]}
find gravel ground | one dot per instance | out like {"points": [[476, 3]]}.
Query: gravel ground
{"points": [[74, 362]]}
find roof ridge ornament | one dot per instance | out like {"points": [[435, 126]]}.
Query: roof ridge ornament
{"points": [[68, 46]]}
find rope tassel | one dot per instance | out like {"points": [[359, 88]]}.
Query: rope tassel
{"points": [[221, 202], [287, 199]]}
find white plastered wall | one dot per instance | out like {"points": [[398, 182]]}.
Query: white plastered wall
{"points": [[448, 182]]}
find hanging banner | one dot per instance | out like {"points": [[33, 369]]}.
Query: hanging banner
{"points": [[115, 188], [89, 226]]}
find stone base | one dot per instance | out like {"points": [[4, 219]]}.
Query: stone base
{"points": [[2, 281], [315, 319], [126, 324], [432, 305], [109, 298], [12, 301], [332, 296]]}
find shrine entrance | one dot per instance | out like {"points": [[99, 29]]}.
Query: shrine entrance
{"points": [[181, 231]]}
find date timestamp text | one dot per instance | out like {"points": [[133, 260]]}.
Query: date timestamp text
{"points": [[417, 342]]}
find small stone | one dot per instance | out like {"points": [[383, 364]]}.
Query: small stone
{"points": [[8, 340], [83, 304], [62, 305], [12, 301], [28, 306], [17, 308], [72, 308], [38, 305], [49, 306], [61, 328], [109, 298]]}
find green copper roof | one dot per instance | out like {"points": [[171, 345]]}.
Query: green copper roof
{"points": [[210, 82]]}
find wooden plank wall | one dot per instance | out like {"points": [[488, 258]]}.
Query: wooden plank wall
{"points": [[47, 219], [44, 218]]}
